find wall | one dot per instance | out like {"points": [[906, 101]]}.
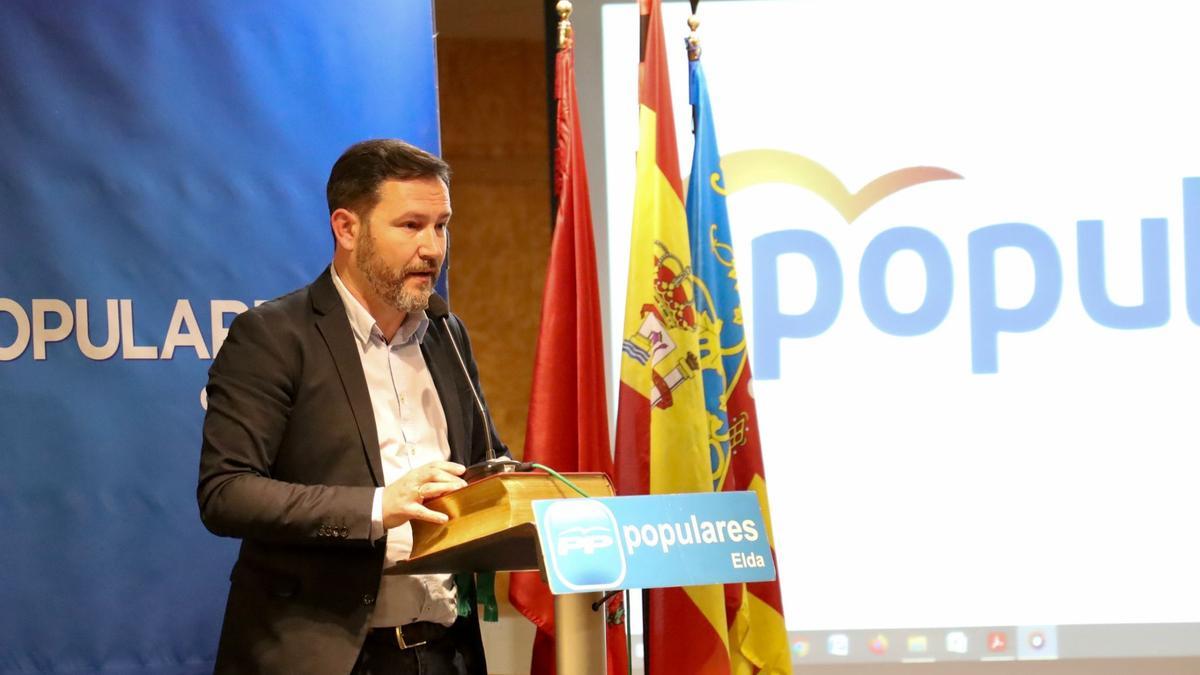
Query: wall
{"points": [[493, 109], [495, 135]]}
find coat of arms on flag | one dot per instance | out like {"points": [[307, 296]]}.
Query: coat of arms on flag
{"points": [[673, 308]]}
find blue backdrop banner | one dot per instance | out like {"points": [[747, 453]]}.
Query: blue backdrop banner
{"points": [[163, 168]]}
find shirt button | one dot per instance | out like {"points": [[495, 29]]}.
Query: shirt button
{"points": [[368, 599]]}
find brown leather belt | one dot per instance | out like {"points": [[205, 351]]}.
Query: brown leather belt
{"points": [[411, 635]]}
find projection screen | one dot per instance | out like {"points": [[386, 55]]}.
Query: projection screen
{"points": [[968, 249]]}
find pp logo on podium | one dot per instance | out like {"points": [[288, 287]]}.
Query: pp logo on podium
{"points": [[585, 545]]}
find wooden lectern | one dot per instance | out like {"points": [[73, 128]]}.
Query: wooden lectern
{"points": [[491, 529]]}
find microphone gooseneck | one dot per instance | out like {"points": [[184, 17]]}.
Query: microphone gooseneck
{"points": [[487, 429], [438, 309]]}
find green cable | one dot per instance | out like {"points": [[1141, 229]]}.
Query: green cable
{"points": [[559, 476], [464, 582], [477, 588], [483, 584]]}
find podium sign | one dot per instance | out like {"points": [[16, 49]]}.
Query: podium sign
{"points": [[653, 541]]}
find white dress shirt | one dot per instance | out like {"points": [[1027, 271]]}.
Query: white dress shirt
{"points": [[411, 426]]}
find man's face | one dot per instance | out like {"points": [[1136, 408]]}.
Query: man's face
{"points": [[403, 241]]}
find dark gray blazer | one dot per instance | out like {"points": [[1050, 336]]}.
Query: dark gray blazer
{"points": [[289, 464]]}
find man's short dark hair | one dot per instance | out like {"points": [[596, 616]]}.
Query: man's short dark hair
{"points": [[356, 176]]}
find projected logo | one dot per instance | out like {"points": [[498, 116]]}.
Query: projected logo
{"points": [[585, 546], [838, 644], [956, 642], [918, 644], [878, 644], [987, 316], [755, 167], [801, 648]]}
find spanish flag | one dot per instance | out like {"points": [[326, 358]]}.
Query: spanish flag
{"points": [[757, 635], [662, 426]]}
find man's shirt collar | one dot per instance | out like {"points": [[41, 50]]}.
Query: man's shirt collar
{"points": [[364, 325]]}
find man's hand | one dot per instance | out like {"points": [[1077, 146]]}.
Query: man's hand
{"points": [[403, 499]]}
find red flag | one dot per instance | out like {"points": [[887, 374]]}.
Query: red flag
{"points": [[568, 411]]}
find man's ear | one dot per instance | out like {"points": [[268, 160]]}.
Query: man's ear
{"points": [[346, 228]]}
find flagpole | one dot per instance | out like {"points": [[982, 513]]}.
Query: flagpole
{"points": [[646, 631], [662, 443], [579, 640], [565, 32], [646, 628], [693, 40], [757, 633]]}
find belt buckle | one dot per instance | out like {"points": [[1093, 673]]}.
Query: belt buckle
{"points": [[402, 643]]}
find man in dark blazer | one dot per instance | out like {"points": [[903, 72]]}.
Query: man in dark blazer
{"points": [[333, 413]]}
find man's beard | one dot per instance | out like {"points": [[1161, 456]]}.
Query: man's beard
{"points": [[388, 283]]}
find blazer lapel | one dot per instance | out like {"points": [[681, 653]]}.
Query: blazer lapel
{"points": [[334, 327], [444, 368]]}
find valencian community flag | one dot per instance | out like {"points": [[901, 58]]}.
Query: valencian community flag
{"points": [[662, 426], [757, 635], [568, 410]]}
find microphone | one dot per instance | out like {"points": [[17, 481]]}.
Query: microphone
{"points": [[438, 309]]}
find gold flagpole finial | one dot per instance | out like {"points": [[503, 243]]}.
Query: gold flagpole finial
{"points": [[565, 32], [693, 39]]}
